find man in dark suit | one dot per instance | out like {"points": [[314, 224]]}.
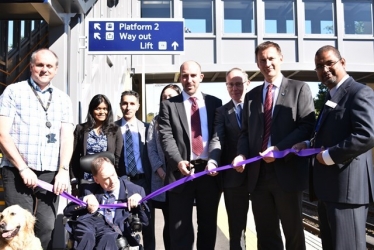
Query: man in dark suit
{"points": [[343, 176], [227, 130], [186, 127], [136, 131], [275, 116], [92, 230]]}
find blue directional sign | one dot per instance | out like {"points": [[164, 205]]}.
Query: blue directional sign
{"points": [[135, 36]]}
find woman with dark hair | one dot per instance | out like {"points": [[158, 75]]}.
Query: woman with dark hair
{"points": [[97, 134], [157, 160]]}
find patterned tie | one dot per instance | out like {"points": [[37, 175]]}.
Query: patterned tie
{"points": [[197, 140], [130, 152], [108, 211], [267, 117], [239, 114]]}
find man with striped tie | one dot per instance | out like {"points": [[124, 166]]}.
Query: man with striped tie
{"points": [[137, 166]]}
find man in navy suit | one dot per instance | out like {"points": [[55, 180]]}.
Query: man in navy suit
{"points": [[343, 174], [129, 105], [276, 185], [227, 130], [177, 116], [92, 230]]}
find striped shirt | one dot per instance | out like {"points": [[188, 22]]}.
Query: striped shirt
{"points": [[38, 145]]}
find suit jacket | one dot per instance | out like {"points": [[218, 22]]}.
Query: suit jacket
{"points": [[114, 145], [292, 121], [143, 129], [347, 130], [175, 133], [121, 216], [223, 146]]}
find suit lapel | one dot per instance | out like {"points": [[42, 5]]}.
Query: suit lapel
{"points": [[120, 213], [282, 94], [141, 134], [340, 93], [210, 112], [231, 114], [179, 106]]}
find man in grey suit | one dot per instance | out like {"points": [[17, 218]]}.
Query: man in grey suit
{"points": [[227, 130], [134, 132], [276, 115], [186, 127], [343, 176]]}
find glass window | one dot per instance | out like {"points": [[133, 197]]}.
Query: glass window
{"points": [[159, 9], [358, 16], [238, 16], [279, 16], [319, 17], [198, 16], [10, 35], [23, 30]]}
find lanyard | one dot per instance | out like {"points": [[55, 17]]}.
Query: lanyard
{"points": [[48, 123]]}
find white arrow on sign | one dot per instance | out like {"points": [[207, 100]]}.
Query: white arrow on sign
{"points": [[97, 36], [175, 45], [97, 26]]}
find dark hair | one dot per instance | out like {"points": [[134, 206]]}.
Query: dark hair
{"points": [[328, 48], [33, 55], [97, 163], [170, 86], [108, 125], [130, 92], [266, 45]]}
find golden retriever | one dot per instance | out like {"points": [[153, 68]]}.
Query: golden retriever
{"points": [[17, 230]]}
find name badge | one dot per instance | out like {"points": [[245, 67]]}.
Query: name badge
{"points": [[331, 104]]}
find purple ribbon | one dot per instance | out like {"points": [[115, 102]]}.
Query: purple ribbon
{"points": [[49, 187], [274, 154]]}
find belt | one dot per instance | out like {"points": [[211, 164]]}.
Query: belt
{"points": [[199, 162], [136, 177]]}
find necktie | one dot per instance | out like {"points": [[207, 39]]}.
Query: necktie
{"points": [[239, 114], [328, 97], [131, 168], [267, 117], [108, 211], [197, 140]]}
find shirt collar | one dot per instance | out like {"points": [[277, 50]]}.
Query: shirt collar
{"points": [[276, 83], [35, 86], [334, 89], [237, 103], [198, 94]]}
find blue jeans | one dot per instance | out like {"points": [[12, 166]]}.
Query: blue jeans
{"points": [[39, 202]]}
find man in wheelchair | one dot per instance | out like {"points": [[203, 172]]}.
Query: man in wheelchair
{"points": [[96, 228]]}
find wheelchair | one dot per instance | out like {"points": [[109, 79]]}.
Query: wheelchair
{"points": [[130, 241]]}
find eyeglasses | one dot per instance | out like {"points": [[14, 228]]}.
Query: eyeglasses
{"points": [[328, 65], [231, 85]]}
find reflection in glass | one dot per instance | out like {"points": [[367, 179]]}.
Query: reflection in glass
{"points": [[279, 16], [358, 17], [198, 16], [10, 35], [159, 9], [238, 16], [319, 17]]}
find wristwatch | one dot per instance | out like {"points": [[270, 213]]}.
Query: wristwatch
{"points": [[64, 167]]}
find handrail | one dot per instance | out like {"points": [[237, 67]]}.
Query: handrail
{"points": [[26, 56]]}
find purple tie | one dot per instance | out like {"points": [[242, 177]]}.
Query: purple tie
{"points": [[267, 117], [197, 140]]}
